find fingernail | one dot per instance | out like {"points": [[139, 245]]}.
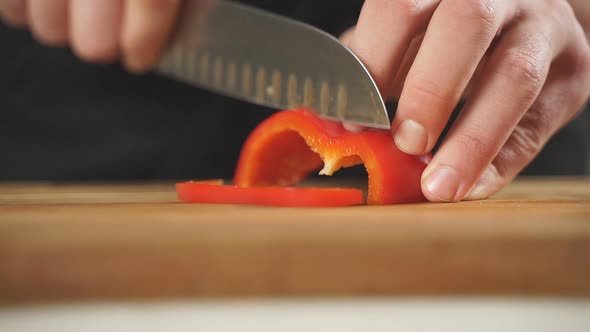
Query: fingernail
{"points": [[483, 189], [411, 137], [443, 183], [480, 191]]}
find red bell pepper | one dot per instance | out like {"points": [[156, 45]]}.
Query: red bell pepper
{"points": [[289, 145], [207, 192]]}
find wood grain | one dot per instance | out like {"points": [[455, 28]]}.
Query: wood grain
{"points": [[64, 242]]}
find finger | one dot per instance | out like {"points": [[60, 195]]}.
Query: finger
{"points": [[444, 65], [508, 87], [560, 100], [404, 68], [146, 27], [95, 27], [49, 21], [14, 12], [384, 31]]}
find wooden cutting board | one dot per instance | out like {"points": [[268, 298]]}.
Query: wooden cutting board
{"points": [[129, 241]]}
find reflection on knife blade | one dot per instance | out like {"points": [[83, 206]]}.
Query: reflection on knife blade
{"points": [[263, 58]]}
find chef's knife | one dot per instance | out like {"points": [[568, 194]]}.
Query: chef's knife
{"points": [[263, 58]]}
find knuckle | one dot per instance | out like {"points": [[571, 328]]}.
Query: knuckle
{"points": [[526, 65], [408, 8], [526, 140], [423, 90], [527, 71], [472, 142], [482, 12], [411, 8]]}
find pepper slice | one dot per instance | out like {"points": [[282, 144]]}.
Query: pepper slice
{"points": [[289, 145], [207, 192]]}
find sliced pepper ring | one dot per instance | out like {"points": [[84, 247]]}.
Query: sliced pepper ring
{"points": [[211, 192]]}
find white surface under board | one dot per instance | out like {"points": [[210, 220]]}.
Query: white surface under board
{"points": [[414, 314]]}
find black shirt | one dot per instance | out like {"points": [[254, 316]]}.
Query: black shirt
{"points": [[62, 119]]}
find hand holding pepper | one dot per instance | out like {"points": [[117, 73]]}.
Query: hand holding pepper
{"points": [[524, 66]]}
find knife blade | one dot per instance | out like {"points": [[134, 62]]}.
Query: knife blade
{"points": [[263, 58]]}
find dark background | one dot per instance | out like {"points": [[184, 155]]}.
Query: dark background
{"points": [[61, 119]]}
